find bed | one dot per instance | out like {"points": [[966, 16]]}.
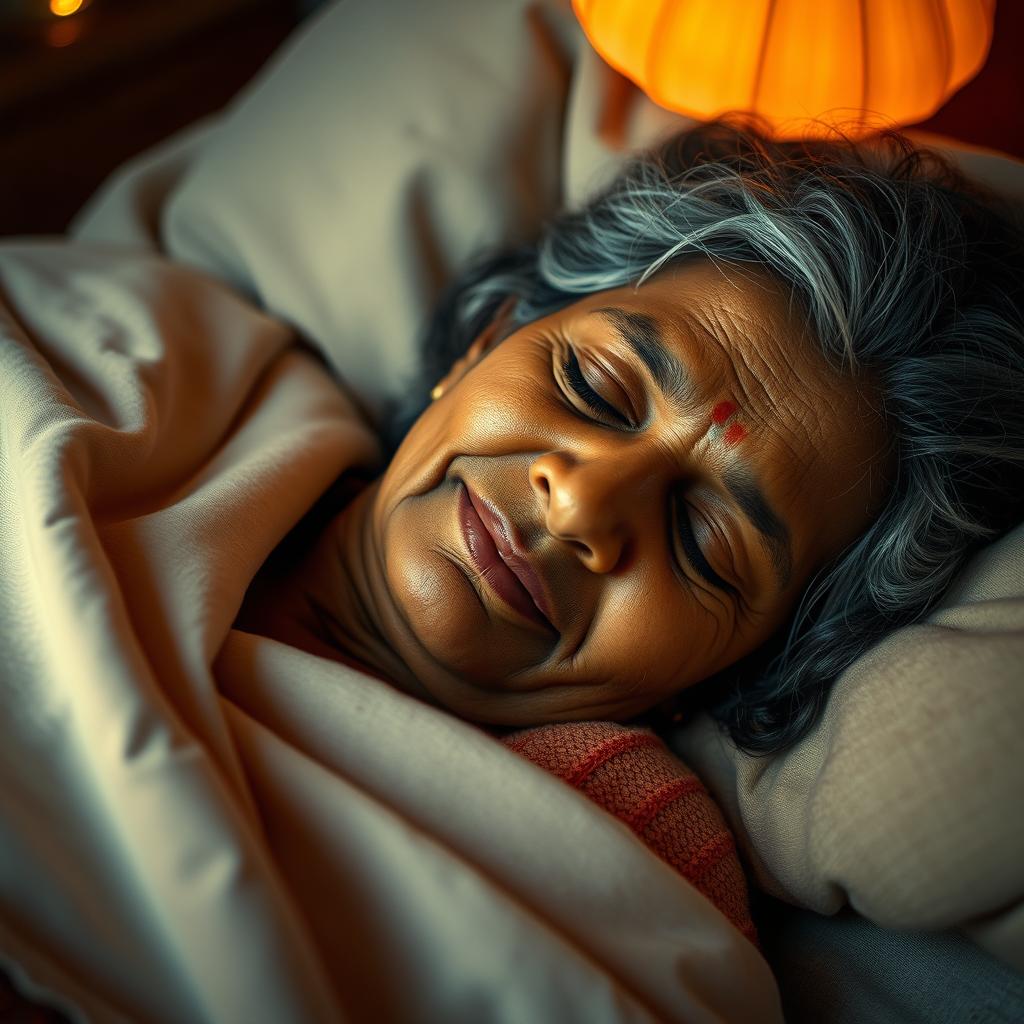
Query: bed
{"points": [[199, 824]]}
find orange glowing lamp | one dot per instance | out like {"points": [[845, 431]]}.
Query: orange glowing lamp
{"points": [[797, 63]]}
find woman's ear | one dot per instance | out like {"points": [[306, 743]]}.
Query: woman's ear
{"points": [[493, 333]]}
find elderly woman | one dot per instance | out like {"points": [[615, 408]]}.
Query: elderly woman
{"points": [[728, 425]]}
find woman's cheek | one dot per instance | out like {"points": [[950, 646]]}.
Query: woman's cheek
{"points": [[436, 604], [505, 403], [421, 460], [660, 636]]}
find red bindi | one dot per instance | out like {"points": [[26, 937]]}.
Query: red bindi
{"points": [[722, 411], [735, 434]]}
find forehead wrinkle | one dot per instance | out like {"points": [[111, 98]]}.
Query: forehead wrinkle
{"points": [[735, 368], [750, 355], [763, 395], [765, 391], [793, 421], [810, 407], [787, 395]]}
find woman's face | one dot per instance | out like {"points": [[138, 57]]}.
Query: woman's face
{"points": [[664, 467]]}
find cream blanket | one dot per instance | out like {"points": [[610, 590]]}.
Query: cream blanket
{"points": [[197, 824]]}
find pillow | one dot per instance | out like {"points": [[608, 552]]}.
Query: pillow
{"points": [[630, 772], [381, 148], [905, 798]]}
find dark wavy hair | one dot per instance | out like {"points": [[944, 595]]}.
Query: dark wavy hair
{"points": [[905, 270]]}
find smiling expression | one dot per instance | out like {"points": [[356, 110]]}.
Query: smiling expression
{"points": [[620, 499]]}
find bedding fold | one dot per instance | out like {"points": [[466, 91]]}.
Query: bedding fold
{"points": [[199, 824]]}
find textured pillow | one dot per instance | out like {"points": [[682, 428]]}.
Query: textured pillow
{"points": [[378, 150], [906, 798], [630, 772], [383, 146]]}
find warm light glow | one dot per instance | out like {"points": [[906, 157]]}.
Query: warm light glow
{"points": [[63, 33], [62, 8], [791, 61]]}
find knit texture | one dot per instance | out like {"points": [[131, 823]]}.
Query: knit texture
{"points": [[630, 772]]}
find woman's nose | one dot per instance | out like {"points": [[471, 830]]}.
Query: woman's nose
{"points": [[587, 504]]}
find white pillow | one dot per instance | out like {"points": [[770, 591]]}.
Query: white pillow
{"points": [[382, 146]]}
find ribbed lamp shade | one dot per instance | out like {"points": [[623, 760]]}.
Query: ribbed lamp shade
{"points": [[792, 61]]}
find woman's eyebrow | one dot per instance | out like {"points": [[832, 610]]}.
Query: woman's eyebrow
{"points": [[774, 532], [643, 335]]}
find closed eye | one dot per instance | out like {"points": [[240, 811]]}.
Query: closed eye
{"points": [[579, 384], [693, 552]]}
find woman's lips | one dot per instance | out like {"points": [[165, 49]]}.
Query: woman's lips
{"points": [[487, 543]]}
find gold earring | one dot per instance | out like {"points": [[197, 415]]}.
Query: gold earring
{"points": [[436, 392]]}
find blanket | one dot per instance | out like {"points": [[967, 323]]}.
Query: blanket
{"points": [[200, 824]]}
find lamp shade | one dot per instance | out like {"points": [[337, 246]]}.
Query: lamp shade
{"points": [[859, 62]]}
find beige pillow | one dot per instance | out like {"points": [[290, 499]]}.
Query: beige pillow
{"points": [[379, 150], [382, 146], [906, 800]]}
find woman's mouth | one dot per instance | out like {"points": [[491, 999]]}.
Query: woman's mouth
{"points": [[488, 561]]}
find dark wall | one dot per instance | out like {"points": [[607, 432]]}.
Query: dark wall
{"points": [[988, 110], [124, 75]]}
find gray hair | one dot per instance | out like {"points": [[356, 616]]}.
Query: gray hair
{"points": [[903, 270]]}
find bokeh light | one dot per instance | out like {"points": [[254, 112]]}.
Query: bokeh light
{"points": [[62, 8]]}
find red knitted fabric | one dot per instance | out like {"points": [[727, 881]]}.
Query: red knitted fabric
{"points": [[630, 772]]}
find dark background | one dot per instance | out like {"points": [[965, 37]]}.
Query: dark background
{"points": [[987, 110], [79, 97]]}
